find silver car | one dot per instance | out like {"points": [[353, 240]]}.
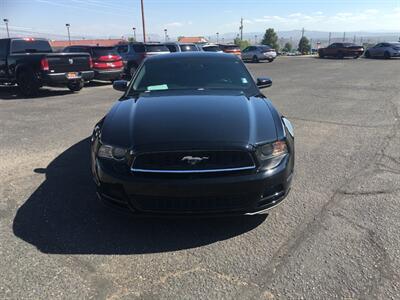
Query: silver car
{"points": [[385, 50], [258, 53]]}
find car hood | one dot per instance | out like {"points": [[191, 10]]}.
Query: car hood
{"points": [[159, 119]]}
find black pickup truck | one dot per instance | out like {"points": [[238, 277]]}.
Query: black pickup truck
{"points": [[31, 64]]}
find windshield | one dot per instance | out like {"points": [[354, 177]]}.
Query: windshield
{"points": [[194, 73], [156, 48], [30, 46]]}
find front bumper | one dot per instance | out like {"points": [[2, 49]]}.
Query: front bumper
{"points": [[245, 193], [56, 79], [108, 74]]}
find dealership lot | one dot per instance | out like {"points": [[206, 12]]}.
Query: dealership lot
{"points": [[337, 233]]}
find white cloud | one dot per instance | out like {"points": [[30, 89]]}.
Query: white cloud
{"points": [[174, 24]]}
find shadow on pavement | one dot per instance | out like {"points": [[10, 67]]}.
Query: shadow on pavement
{"points": [[63, 216], [12, 93]]}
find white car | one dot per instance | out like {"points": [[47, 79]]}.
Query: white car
{"points": [[258, 53]]}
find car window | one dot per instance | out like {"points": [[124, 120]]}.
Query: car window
{"points": [[30, 46], [171, 48], [212, 49], [194, 73], [102, 51], [332, 46], [246, 49], [122, 49], [138, 48], [3, 48], [156, 48], [186, 48]]}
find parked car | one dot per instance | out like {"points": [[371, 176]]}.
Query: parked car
{"points": [[385, 50], [134, 53], [258, 53], [200, 140], [31, 64], [341, 50], [211, 48], [107, 63], [181, 47], [230, 48]]}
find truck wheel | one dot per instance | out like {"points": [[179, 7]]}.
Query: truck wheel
{"points": [[340, 55], [75, 86], [28, 83], [321, 54]]}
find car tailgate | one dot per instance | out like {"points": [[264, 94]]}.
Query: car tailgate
{"points": [[68, 62]]}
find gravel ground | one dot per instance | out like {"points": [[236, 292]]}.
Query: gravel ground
{"points": [[335, 236]]}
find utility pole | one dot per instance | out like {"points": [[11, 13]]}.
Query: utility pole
{"points": [[69, 36], [302, 33], [344, 36], [329, 39], [8, 32], [217, 36], [143, 23], [134, 33], [241, 29], [166, 36], [354, 40], [255, 39]]}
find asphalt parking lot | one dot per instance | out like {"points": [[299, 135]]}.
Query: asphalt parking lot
{"points": [[337, 235]]}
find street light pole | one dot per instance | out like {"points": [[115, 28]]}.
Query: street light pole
{"points": [[143, 23], [165, 35], [69, 36], [134, 33], [6, 21], [217, 36]]}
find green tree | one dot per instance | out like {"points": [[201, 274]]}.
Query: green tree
{"points": [[131, 39], [288, 47], [241, 43], [270, 38], [304, 45]]}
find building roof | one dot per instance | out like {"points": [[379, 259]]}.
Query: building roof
{"points": [[192, 39], [98, 42]]}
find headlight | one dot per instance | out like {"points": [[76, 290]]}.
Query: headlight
{"points": [[272, 154], [110, 152]]}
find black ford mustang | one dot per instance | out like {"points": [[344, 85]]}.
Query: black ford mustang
{"points": [[193, 134]]}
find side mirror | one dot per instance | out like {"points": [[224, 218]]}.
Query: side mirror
{"points": [[120, 85], [263, 83]]}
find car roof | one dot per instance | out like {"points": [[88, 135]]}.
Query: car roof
{"points": [[183, 55]]}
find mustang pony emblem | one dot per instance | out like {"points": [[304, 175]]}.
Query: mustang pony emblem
{"points": [[71, 61], [194, 160]]}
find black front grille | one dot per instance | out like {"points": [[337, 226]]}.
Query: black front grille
{"points": [[193, 161], [193, 204]]}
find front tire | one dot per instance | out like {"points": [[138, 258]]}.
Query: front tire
{"points": [[386, 55], [270, 59], [321, 54], [28, 83], [367, 54], [255, 59]]}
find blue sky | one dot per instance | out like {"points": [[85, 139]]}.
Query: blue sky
{"points": [[197, 17]]}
